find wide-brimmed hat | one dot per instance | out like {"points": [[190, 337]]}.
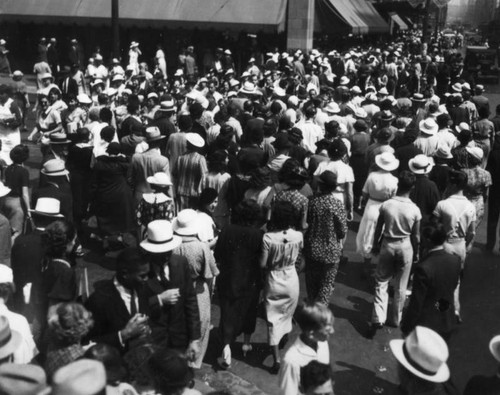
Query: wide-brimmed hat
{"points": [[332, 108], [360, 113], [81, 377], [84, 99], [462, 126], [117, 77], [356, 89], [10, 340], [186, 223], [167, 106], [195, 139], [4, 191], [18, 379], [134, 44], [96, 82], [457, 87], [6, 274], [153, 134], [387, 116], [428, 126], [161, 237], [58, 138], [160, 178], [443, 152], [281, 142], [54, 167], [248, 87], [423, 353], [49, 207], [383, 92], [344, 80], [18, 74], [476, 152], [387, 161], [420, 164]]}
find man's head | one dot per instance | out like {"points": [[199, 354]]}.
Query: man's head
{"points": [[315, 321], [406, 182], [132, 268], [434, 236]]}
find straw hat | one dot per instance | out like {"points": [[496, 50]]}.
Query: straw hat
{"points": [[344, 80], [153, 134], [118, 77], [195, 139], [17, 379], [476, 152], [58, 138], [161, 237], [134, 44], [167, 105], [443, 152], [424, 353], [332, 108], [160, 178], [463, 126], [418, 97], [4, 191], [387, 161], [84, 99], [49, 207], [248, 87], [54, 167], [10, 340], [428, 126], [187, 223], [457, 87], [420, 164], [383, 92]]}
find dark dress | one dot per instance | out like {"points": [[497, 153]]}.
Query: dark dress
{"points": [[78, 164], [111, 196], [237, 252]]}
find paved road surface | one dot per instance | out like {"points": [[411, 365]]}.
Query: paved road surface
{"points": [[361, 366]]}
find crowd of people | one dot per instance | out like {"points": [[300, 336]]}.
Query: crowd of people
{"points": [[210, 185]]}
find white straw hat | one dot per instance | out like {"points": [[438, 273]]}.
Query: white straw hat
{"points": [[160, 178], [428, 126], [420, 164], [424, 353], [187, 223], [49, 207], [387, 161], [160, 238], [195, 139]]}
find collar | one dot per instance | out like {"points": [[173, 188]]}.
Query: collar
{"points": [[304, 349], [121, 289], [402, 199], [438, 248]]}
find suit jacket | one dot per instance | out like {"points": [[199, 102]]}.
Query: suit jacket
{"points": [[69, 86], [61, 193], [176, 325], [110, 313], [483, 385], [432, 302]]}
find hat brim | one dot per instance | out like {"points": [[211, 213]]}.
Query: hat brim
{"points": [[442, 375], [387, 167], [415, 170], [12, 345], [161, 248], [191, 230], [4, 191], [153, 181], [57, 173], [155, 139], [60, 142], [495, 347], [428, 132], [34, 211]]}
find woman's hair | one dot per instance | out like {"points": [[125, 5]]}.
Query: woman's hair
{"points": [[483, 112], [19, 154], [111, 359], [283, 216], [247, 213], [169, 371], [458, 179], [82, 135], [108, 133], [57, 236], [473, 161], [337, 149], [217, 162], [290, 173], [406, 181], [207, 196], [56, 91], [312, 316], [69, 322]]}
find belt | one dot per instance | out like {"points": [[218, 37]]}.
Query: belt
{"points": [[396, 238]]}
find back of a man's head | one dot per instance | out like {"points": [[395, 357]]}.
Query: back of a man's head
{"points": [[406, 181]]}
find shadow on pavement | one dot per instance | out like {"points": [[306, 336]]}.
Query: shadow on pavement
{"points": [[356, 380]]}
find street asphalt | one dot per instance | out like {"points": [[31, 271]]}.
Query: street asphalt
{"points": [[360, 365]]}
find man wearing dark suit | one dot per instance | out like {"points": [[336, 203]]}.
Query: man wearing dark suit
{"points": [[174, 314], [434, 281], [118, 305]]}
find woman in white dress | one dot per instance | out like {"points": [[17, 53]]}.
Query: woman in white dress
{"points": [[10, 120], [380, 186], [133, 56], [160, 60], [281, 249]]}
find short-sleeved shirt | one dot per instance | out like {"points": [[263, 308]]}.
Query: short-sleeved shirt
{"points": [[400, 215], [380, 185], [16, 177], [456, 214], [344, 172]]}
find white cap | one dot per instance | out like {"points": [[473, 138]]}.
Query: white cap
{"points": [[6, 275]]}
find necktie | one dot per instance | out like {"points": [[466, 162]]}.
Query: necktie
{"points": [[133, 306]]}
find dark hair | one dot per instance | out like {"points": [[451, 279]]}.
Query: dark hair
{"points": [[283, 215], [216, 161], [207, 196], [332, 129], [436, 234], [443, 120], [284, 123], [105, 115], [247, 213], [269, 127], [483, 112], [406, 181], [19, 154], [111, 359], [185, 122], [130, 260], [56, 91], [464, 137], [57, 236], [82, 135], [314, 374], [275, 108], [196, 110], [337, 149], [108, 133], [310, 111], [248, 106], [458, 179], [169, 371]]}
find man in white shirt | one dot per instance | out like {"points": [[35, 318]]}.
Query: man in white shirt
{"points": [[311, 132], [316, 325], [18, 323]]}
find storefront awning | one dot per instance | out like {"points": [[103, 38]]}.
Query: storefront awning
{"points": [[360, 15], [250, 15], [399, 21]]}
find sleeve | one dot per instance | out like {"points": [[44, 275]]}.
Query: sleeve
{"points": [[366, 187], [419, 292], [25, 177], [99, 332], [289, 379], [340, 221], [264, 255], [191, 307], [56, 117], [437, 211]]}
